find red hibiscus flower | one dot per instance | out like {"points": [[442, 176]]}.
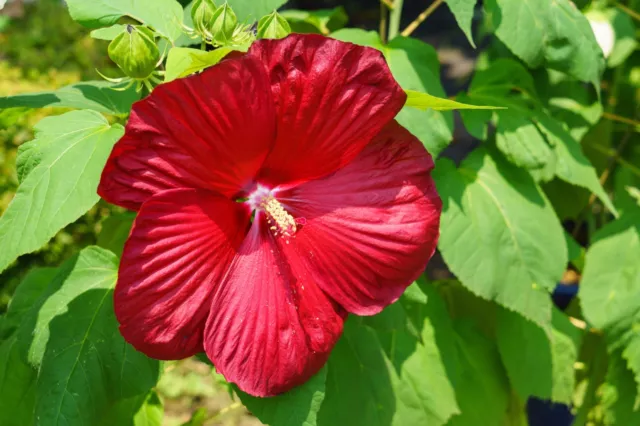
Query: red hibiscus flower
{"points": [[275, 194]]}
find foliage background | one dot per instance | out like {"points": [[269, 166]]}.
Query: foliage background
{"points": [[44, 49]]}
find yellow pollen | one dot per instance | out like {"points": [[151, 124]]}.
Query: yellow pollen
{"points": [[285, 224]]}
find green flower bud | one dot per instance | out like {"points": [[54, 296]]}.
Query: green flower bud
{"points": [[224, 25], [135, 51], [273, 26], [202, 14]]}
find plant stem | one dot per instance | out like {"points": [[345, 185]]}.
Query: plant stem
{"points": [[384, 13], [388, 3], [620, 119], [394, 19], [421, 18], [635, 15]]}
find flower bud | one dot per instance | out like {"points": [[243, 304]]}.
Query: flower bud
{"points": [[224, 25], [273, 26], [135, 51], [202, 15]]}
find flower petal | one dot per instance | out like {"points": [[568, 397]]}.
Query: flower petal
{"points": [[370, 227], [180, 248], [331, 98], [212, 131], [268, 330]]}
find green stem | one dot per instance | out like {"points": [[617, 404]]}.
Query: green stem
{"points": [[394, 19], [384, 14]]}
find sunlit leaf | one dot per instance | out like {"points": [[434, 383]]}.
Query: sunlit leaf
{"points": [[499, 234], [59, 173], [94, 95], [550, 33], [165, 16], [71, 336]]}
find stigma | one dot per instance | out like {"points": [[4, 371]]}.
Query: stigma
{"points": [[280, 222]]}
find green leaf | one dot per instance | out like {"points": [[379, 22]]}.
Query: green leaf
{"points": [[323, 21], [142, 410], [115, 231], [398, 368], [17, 378], [94, 95], [184, 61], [424, 101], [252, 10], [528, 135], [521, 141], [59, 170], [273, 26], [499, 234], [29, 290], [415, 66], [165, 16], [72, 337], [610, 286], [17, 386], [108, 33], [549, 33], [538, 363], [482, 388], [575, 250], [408, 332], [463, 12], [298, 407], [619, 394]]}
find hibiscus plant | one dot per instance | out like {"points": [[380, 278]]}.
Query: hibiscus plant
{"points": [[286, 205]]}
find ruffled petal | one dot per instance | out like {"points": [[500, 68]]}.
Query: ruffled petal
{"points": [[179, 250], [211, 131], [331, 98], [370, 227], [269, 330]]}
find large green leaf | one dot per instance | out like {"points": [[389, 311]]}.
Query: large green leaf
{"points": [[412, 364], [165, 16], [409, 332], [115, 231], [252, 10], [17, 386], [94, 95], [527, 133], [499, 234], [59, 172], [141, 410], [610, 286], [463, 12], [30, 288], [538, 363], [298, 407], [481, 386], [17, 378], [550, 33], [415, 66], [619, 394], [71, 336]]}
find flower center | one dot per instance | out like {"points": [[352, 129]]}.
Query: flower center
{"points": [[281, 223], [279, 220]]}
